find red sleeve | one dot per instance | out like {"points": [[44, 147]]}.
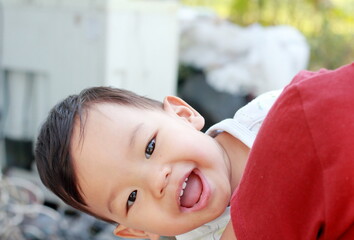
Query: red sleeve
{"points": [[299, 180]]}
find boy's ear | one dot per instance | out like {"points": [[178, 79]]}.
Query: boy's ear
{"points": [[180, 108], [126, 232]]}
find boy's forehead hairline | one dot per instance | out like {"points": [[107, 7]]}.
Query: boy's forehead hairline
{"points": [[97, 104], [81, 118], [80, 121]]}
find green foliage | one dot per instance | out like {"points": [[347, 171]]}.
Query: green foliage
{"points": [[327, 24]]}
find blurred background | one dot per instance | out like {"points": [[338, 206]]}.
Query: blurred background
{"points": [[216, 54]]}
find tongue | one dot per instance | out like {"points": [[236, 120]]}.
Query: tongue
{"points": [[192, 191]]}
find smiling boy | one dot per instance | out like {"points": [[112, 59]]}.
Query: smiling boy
{"points": [[149, 157], [144, 164], [147, 166]]}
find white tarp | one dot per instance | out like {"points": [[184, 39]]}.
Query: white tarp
{"points": [[235, 59]]}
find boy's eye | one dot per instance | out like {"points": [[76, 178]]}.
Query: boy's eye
{"points": [[150, 148], [132, 198]]}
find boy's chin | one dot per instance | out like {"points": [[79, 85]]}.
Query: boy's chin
{"points": [[203, 218]]}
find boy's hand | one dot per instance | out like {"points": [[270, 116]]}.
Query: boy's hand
{"points": [[229, 233]]}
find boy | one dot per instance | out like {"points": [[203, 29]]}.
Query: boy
{"points": [[144, 164], [151, 170]]}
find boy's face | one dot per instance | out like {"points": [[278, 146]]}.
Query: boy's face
{"points": [[132, 166]]}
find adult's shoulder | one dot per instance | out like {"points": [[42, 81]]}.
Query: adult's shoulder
{"points": [[299, 182], [324, 81]]}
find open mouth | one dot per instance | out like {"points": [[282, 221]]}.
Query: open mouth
{"points": [[193, 195]]}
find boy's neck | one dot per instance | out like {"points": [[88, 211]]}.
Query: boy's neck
{"points": [[237, 153]]}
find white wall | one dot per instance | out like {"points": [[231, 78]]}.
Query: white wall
{"points": [[65, 46]]}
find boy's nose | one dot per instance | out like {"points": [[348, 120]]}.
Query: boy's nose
{"points": [[158, 181]]}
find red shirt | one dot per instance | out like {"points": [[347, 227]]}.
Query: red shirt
{"points": [[299, 179]]}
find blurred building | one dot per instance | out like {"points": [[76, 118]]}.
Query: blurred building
{"points": [[54, 48]]}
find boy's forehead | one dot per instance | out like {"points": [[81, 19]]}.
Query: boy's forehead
{"points": [[86, 123], [110, 109], [104, 113], [101, 118], [100, 140], [93, 118], [95, 136]]}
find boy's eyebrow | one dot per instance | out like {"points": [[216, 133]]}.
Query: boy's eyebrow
{"points": [[112, 197], [134, 133], [131, 144], [109, 202]]}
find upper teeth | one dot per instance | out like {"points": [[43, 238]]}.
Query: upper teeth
{"points": [[183, 187]]}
